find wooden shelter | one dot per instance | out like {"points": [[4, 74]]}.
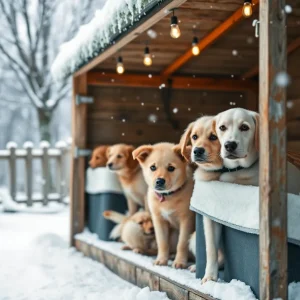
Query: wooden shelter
{"points": [[155, 103]]}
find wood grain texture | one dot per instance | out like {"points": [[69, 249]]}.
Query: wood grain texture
{"points": [[207, 40], [77, 185], [173, 291], [193, 296], [272, 98], [147, 279], [127, 271]]}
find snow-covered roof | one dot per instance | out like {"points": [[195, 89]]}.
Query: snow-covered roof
{"points": [[115, 18]]}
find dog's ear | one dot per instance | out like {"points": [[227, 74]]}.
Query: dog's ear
{"points": [[178, 152], [142, 152], [184, 141], [256, 134], [131, 163], [107, 152]]}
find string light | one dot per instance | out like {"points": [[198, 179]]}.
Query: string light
{"points": [[175, 30], [195, 48], [147, 57], [120, 66], [247, 8]]}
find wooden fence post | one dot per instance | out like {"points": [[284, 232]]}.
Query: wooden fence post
{"points": [[28, 171], [61, 169], [11, 146], [272, 106], [46, 171]]}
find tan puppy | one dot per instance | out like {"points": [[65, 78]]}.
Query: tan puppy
{"points": [[137, 231], [130, 175], [205, 152], [170, 183], [99, 158]]}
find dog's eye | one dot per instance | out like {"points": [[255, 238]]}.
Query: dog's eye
{"points": [[153, 168], [119, 156], [223, 128], [195, 136], [140, 223], [213, 137], [97, 157], [171, 168], [244, 127]]}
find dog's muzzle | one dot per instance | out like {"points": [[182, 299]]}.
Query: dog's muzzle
{"points": [[199, 154], [160, 184]]}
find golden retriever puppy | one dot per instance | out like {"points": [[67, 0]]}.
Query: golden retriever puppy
{"points": [[98, 158], [119, 160], [170, 183], [200, 144], [137, 231]]}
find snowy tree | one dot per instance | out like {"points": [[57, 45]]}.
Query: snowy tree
{"points": [[31, 32]]}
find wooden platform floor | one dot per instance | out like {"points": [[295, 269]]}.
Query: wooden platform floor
{"points": [[138, 275]]}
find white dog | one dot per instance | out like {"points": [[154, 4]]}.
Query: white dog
{"points": [[238, 133]]}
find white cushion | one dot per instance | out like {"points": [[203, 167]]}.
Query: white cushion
{"points": [[101, 180]]}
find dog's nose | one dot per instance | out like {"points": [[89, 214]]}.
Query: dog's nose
{"points": [[151, 229], [110, 165], [230, 146], [160, 182], [199, 151]]}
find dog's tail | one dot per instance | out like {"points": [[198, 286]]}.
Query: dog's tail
{"points": [[114, 216]]}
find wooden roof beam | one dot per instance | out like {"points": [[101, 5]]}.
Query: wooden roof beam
{"points": [[208, 39], [294, 45], [178, 82]]}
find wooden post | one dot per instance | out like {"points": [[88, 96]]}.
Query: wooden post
{"points": [[46, 172], [12, 169], [28, 163], [272, 106], [77, 187]]}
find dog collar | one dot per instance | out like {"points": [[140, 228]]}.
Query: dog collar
{"points": [[227, 170], [162, 196]]}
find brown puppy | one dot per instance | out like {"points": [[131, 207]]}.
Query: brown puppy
{"points": [[130, 175], [170, 183], [205, 152], [137, 231], [99, 158]]}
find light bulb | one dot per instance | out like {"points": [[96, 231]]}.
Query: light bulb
{"points": [[247, 9], [147, 57], [195, 47], [175, 30], [120, 66]]}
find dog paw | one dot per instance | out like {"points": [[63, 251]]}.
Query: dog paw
{"points": [[138, 250], [161, 262], [192, 268], [125, 247], [208, 278], [179, 265]]}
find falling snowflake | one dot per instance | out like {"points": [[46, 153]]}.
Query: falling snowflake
{"points": [[157, 108], [282, 79], [142, 103], [123, 120], [152, 118], [194, 76], [250, 40], [152, 34], [288, 9], [241, 96], [234, 52], [289, 104], [189, 109], [112, 117], [150, 75], [112, 80], [123, 133], [175, 110], [194, 26]]}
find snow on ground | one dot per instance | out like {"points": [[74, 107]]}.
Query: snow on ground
{"points": [[234, 290], [36, 264]]}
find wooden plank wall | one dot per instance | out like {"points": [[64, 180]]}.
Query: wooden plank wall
{"points": [[135, 105]]}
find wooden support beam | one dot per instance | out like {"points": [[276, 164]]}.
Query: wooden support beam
{"points": [[178, 82], [146, 22], [294, 45], [208, 39], [272, 173], [77, 187]]}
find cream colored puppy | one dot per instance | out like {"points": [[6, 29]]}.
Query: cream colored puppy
{"points": [[119, 160], [170, 183], [238, 133]]}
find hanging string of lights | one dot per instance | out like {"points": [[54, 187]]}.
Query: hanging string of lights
{"points": [[175, 34]]}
